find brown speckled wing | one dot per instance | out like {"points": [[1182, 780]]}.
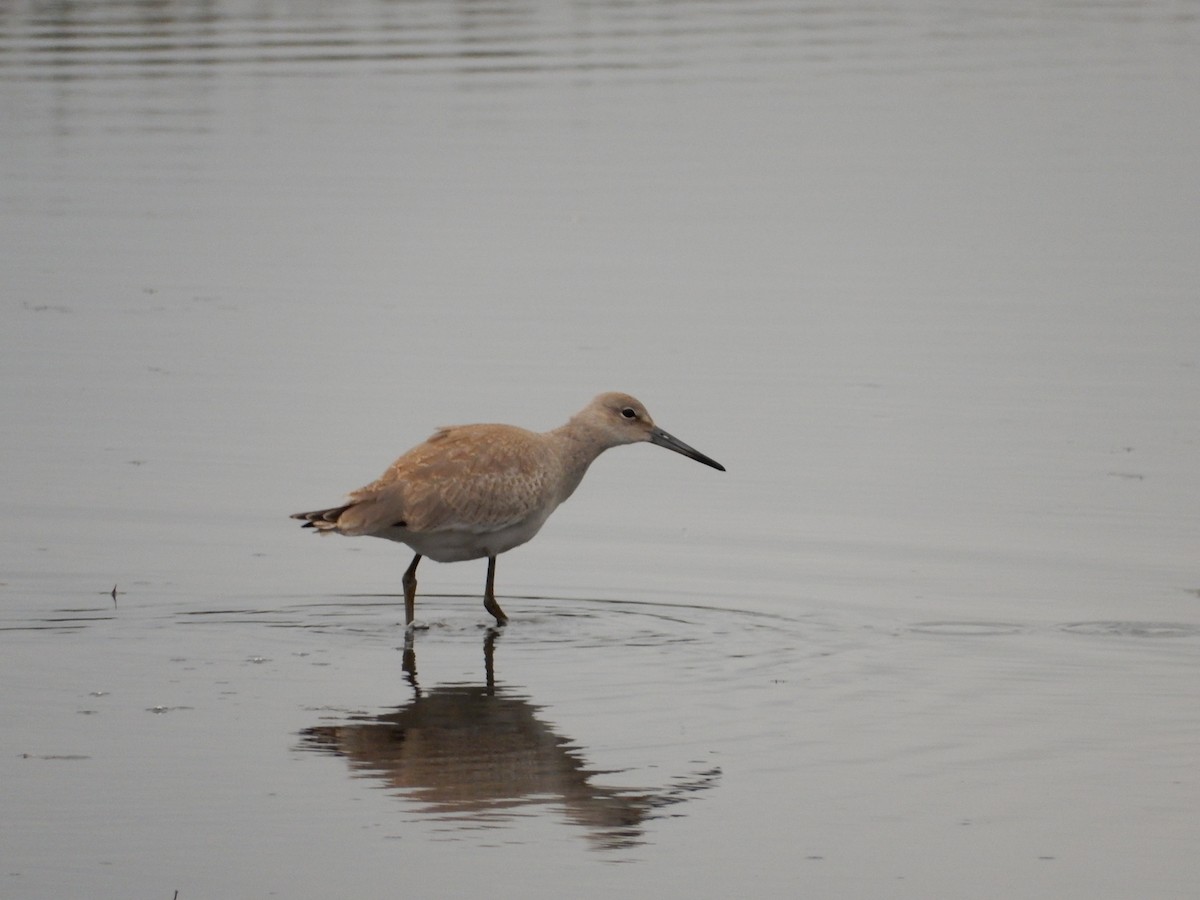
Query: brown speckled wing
{"points": [[469, 478]]}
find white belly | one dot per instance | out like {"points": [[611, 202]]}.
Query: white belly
{"points": [[458, 546]]}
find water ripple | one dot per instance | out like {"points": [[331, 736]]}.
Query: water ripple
{"points": [[120, 40]]}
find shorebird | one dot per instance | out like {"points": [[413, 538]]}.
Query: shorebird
{"points": [[475, 491]]}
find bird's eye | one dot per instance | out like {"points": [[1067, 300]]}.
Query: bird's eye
{"points": [[629, 412]]}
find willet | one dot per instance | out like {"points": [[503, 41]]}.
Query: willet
{"points": [[475, 491]]}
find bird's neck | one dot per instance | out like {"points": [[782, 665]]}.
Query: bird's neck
{"points": [[578, 448]]}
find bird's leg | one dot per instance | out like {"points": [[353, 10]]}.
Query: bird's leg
{"points": [[410, 590], [489, 594]]}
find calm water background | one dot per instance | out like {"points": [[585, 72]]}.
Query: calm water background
{"points": [[922, 275]]}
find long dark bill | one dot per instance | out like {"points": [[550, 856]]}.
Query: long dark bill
{"points": [[660, 437]]}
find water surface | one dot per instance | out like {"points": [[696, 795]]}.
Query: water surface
{"points": [[922, 276]]}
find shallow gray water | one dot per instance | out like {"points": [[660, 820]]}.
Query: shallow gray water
{"points": [[922, 276]]}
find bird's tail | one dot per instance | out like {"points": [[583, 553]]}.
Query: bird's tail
{"points": [[323, 520]]}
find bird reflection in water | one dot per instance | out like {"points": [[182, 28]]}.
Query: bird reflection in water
{"points": [[473, 753]]}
